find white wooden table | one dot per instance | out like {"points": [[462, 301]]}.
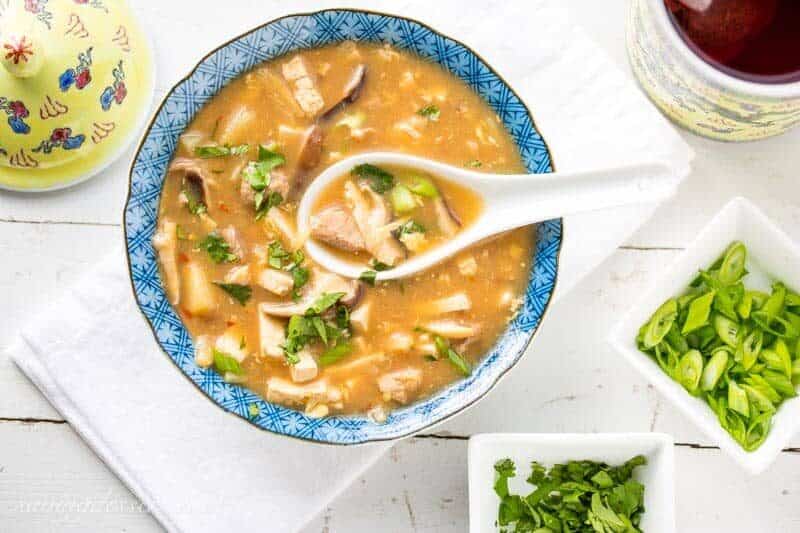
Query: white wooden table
{"points": [[571, 381]]}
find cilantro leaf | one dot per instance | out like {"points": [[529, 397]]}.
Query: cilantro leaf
{"points": [[300, 277], [408, 227], [368, 277], [379, 180], [218, 248], [225, 363], [324, 302], [431, 112], [208, 152], [335, 354], [240, 293]]}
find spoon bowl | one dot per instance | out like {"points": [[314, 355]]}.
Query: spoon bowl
{"points": [[509, 201]]}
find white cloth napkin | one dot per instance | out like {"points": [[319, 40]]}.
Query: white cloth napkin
{"points": [[199, 469], [194, 466]]}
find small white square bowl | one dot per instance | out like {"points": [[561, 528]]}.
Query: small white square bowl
{"points": [[658, 475], [771, 256]]}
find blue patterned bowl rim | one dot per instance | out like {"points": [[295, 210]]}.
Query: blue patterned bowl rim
{"points": [[270, 40]]}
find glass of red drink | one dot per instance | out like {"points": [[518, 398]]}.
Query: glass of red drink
{"points": [[725, 69]]}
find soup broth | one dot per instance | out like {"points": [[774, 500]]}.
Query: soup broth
{"points": [[261, 313]]}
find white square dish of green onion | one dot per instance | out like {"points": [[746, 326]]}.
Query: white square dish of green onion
{"points": [[720, 337]]}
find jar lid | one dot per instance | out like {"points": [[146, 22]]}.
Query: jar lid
{"points": [[76, 83]]}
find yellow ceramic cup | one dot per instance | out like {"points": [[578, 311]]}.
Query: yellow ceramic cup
{"points": [[697, 96], [76, 84]]}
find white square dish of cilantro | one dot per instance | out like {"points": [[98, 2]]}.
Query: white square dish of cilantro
{"points": [[719, 335], [571, 482]]}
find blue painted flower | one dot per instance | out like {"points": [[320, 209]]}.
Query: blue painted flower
{"points": [[72, 143], [66, 79], [106, 98], [18, 125]]}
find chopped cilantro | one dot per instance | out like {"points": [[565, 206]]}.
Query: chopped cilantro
{"points": [[335, 353], [253, 410], [225, 363], [446, 351], [379, 180], [264, 203], [281, 259], [257, 174], [208, 152], [378, 266], [218, 248], [180, 233], [240, 293], [430, 111], [410, 226], [194, 196], [300, 277], [368, 277], [310, 326], [474, 163], [324, 302], [576, 496]]}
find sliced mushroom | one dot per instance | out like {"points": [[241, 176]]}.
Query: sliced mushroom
{"points": [[282, 222], [451, 329], [322, 282], [336, 226], [459, 301], [195, 180], [239, 275], [310, 148], [373, 219], [165, 241], [350, 92], [231, 236], [448, 222]]}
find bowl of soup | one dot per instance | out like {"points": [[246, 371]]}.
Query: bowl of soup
{"points": [[217, 261]]}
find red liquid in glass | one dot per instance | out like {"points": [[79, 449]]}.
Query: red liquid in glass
{"points": [[756, 40]]}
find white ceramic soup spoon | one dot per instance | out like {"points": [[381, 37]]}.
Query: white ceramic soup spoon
{"points": [[509, 201]]}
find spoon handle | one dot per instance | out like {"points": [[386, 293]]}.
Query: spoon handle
{"points": [[513, 201]]}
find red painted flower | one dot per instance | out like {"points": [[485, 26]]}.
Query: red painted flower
{"points": [[81, 1], [83, 78], [60, 135], [18, 109], [32, 6], [19, 50], [120, 92]]}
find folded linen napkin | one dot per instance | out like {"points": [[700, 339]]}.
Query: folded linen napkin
{"points": [[195, 467], [199, 469]]}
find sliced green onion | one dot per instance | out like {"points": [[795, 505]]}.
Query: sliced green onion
{"points": [[402, 200], [714, 369], [660, 323], [689, 370]]}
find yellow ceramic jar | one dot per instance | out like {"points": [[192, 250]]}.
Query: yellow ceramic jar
{"points": [[76, 84]]}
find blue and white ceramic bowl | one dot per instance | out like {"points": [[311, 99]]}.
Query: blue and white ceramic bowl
{"points": [[226, 63]]}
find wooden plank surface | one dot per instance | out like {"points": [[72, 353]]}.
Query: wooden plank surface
{"points": [[569, 381]]}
